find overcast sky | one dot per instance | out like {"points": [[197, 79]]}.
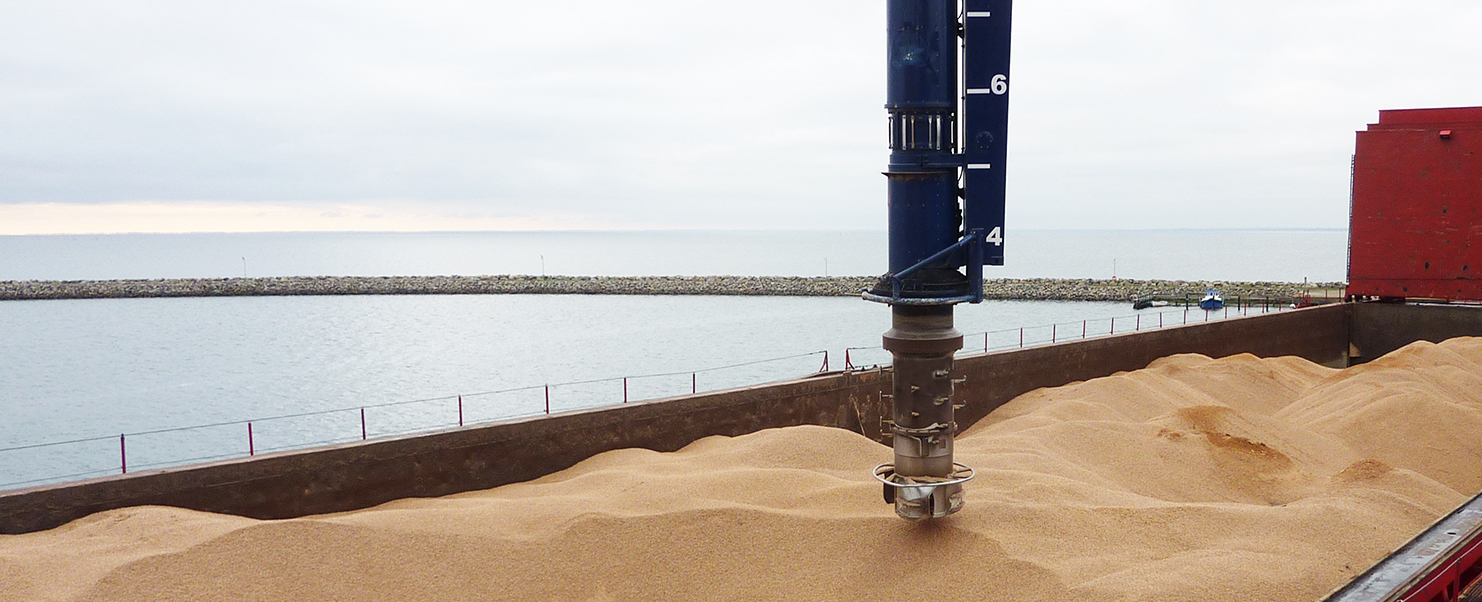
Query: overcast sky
{"points": [[442, 115]]}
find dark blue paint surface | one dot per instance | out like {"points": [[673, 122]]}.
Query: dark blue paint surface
{"points": [[986, 118], [932, 165], [921, 96]]}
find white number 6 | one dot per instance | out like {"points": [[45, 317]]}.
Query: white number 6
{"points": [[1000, 84]]}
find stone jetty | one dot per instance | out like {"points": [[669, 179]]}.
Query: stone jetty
{"points": [[1039, 289]]}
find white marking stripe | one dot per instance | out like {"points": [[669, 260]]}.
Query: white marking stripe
{"points": [[979, 91], [979, 166], [980, 14]]}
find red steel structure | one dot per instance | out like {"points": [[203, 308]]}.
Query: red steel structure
{"points": [[1416, 233], [1416, 225], [1443, 564]]}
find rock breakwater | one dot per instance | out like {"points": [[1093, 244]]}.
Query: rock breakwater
{"points": [[1038, 289]]}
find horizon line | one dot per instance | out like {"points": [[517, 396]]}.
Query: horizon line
{"points": [[676, 230]]}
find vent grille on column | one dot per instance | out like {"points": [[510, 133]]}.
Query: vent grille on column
{"points": [[921, 131]]}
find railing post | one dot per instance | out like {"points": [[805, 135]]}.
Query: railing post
{"points": [[1160, 319], [1114, 325], [694, 383], [362, 424], [547, 399], [1054, 328], [1021, 337], [1083, 329], [251, 446], [1138, 326], [625, 389], [825, 362], [985, 342], [460, 410], [123, 455]]}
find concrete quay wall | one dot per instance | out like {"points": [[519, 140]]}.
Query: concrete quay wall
{"points": [[1379, 328], [1318, 334], [842, 286], [363, 474]]}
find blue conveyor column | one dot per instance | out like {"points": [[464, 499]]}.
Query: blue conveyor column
{"points": [[929, 237], [921, 98]]}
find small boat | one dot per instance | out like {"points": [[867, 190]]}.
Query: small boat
{"points": [[1212, 300], [1147, 301]]}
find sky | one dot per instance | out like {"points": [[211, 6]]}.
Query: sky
{"points": [[180, 116]]}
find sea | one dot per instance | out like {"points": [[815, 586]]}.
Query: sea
{"points": [[94, 387]]}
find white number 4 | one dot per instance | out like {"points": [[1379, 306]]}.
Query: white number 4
{"points": [[1000, 84], [995, 236]]}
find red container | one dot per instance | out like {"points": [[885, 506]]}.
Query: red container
{"points": [[1416, 225]]}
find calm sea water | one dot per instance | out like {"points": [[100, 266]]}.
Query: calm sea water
{"points": [[1282, 255], [92, 369]]}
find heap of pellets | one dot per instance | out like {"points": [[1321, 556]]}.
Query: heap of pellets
{"points": [[1038, 289], [1257, 480]]}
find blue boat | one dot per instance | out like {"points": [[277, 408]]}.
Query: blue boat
{"points": [[1212, 300]]}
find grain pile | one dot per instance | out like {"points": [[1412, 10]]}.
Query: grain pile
{"points": [[1230, 479]]}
